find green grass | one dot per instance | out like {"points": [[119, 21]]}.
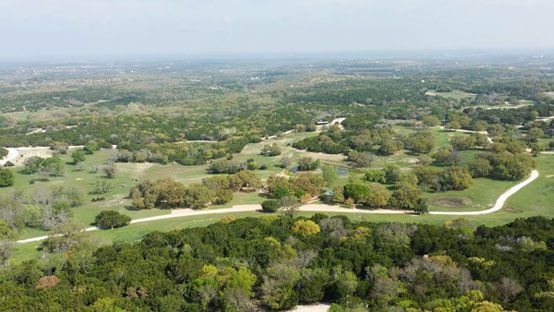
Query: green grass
{"points": [[535, 199], [479, 196]]}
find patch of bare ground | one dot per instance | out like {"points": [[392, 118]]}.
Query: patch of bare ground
{"points": [[118, 200], [135, 167], [452, 202], [323, 156], [509, 208]]}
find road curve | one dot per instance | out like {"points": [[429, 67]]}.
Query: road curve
{"points": [[499, 202]]}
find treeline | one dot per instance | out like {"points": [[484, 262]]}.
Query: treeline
{"points": [[186, 154], [168, 193], [380, 141], [274, 263]]}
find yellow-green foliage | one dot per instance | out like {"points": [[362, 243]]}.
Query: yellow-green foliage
{"points": [[305, 227]]}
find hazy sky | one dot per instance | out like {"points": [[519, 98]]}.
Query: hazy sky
{"points": [[39, 28]]}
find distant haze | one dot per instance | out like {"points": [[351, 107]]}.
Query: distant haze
{"points": [[57, 28]]}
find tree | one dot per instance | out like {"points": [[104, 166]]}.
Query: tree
{"points": [[271, 150], [427, 175], [420, 142], [244, 180], [78, 156], [305, 227], [6, 177], [290, 204], [277, 289], [392, 173], [101, 186], [421, 206], [329, 174], [32, 164], [110, 170], [389, 147], [479, 167], [463, 142], [285, 162], [307, 164], [453, 178], [278, 186], [306, 183], [361, 159], [375, 175], [431, 120], [535, 134], [405, 196], [53, 166], [378, 196], [424, 160], [356, 191], [64, 237], [271, 205], [197, 196], [446, 156], [109, 219], [90, 147], [6, 248]]}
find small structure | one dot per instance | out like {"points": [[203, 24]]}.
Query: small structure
{"points": [[327, 196], [321, 122]]}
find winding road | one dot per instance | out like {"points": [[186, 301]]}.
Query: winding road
{"points": [[180, 213]]}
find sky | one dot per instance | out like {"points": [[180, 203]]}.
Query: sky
{"points": [[50, 28]]}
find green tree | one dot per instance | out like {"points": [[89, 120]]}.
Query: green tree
{"points": [[290, 204], [90, 147], [7, 177], [78, 156], [375, 175], [405, 195], [421, 142], [271, 150], [329, 174], [53, 166], [378, 196], [358, 192], [110, 170], [109, 219], [431, 120], [271, 205], [453, 178]]}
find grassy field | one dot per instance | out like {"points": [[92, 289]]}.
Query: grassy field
{"points": [[536, 199]]}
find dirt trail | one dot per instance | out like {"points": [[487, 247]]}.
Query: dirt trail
{"points": [[178, 213], [499, 202]]}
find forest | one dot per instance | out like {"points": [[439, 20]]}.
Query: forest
{"points": [[274, 263]]}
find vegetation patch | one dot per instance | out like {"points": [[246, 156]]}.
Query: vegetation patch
{"points": [[452, 202]]}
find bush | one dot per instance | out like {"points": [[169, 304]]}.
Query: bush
{"points": [[307, 164], [271, 150], [375, 175], [6, 178], [78, 156], [110, 219], [271, 205]]}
